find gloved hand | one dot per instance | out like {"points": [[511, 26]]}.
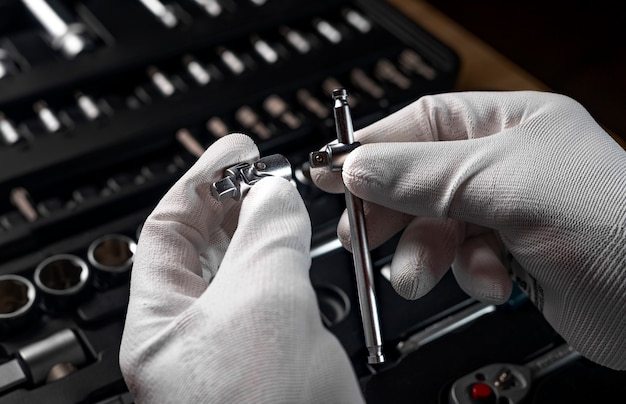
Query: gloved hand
{"points": [[249, 331], [496, 182]]}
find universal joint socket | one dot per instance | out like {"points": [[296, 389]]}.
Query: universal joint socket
{"points": [[239, 178]]}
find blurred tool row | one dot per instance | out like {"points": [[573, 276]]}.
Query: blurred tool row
{"points": [[68, 29], [105, 104]]}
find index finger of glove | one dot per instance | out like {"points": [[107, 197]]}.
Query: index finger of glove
{"points": [[454, 116], [167, 270], [443, 117], [381, 224], [269, 255], [439, 179]]}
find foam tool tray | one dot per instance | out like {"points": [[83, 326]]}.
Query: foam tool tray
{"points": [[105, 104]]}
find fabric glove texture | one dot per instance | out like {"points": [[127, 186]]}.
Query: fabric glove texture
{"points": [[221, 306], [501, 186]]}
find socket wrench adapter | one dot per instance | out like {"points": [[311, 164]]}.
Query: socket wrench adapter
{"points": [[239, 178]]}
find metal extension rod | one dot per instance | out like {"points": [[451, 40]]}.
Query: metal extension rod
{"points": [[66, 33], [364, 269]]}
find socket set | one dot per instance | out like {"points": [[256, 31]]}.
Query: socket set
{"points": [[105, 104]]}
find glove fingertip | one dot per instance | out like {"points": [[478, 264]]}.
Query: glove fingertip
{"points": [[272, 240], [423, 255], [343, 231], [412, 282], [275, 200], [326, 180], [369, 171], [485, 281], [232, 143], [236, 140]]}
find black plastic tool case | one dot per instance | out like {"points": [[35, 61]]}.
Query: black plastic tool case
{"points": [[265, 68]]}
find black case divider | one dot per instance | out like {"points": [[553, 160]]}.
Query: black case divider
{"points": [[94, 178]]}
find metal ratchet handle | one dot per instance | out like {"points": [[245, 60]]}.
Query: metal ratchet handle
{"points": [[506, 381], [364, 269]]}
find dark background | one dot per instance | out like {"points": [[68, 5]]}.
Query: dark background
{"points": [[577, 49]]}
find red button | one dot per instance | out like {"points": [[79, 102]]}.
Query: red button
{"points": [[481, 391]]}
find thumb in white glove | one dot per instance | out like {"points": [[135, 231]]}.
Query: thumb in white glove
{"points": [[254, 333], [497, 182]]}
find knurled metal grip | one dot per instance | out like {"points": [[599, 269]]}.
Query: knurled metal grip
{"points": [[239, 178]]}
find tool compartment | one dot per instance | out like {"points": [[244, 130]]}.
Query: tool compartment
{"points": [[89, 143]]}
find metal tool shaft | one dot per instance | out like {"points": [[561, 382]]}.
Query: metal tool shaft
{"points": [[363, 266], [66, 33]]}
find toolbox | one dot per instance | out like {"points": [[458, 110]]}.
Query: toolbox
{"points": [[105, 104]]}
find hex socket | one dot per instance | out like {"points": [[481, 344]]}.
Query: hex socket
{"points": [[62, 279], [112, 256], [17, 299]]}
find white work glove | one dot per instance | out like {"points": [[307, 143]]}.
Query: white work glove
{"points": [[249, 331], [496, 182]]}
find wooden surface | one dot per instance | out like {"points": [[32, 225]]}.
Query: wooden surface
{"points": [[482, 67]]}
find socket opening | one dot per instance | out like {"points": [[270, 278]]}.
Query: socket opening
{"points": [[17, 295], [112, 253], [62, 274]]}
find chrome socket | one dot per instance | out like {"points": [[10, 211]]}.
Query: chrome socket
{"points": [[112, 257], [62, 280], [17, 302]]}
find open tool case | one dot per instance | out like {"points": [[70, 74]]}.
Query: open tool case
{"points": [[96, 126]]}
